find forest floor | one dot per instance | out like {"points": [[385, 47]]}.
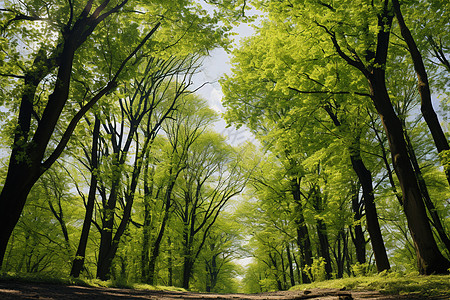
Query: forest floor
{"points": [[25, 290]]}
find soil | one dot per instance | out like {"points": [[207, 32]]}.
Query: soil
{"points": [[19, 290]]}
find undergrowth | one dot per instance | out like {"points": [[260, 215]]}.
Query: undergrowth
{"points": [[389, 283], [41, 278]]}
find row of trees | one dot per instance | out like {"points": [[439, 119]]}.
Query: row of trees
{"points": [[114, 170], [330, 88]]}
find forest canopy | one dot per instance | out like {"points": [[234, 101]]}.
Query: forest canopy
{"points": [[113, 166]]}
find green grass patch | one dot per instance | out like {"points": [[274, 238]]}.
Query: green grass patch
{"points": [[42, 278], [389, 283]]}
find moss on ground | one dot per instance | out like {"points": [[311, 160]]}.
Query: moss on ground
{"points": [[40, 278], [389, 283]]}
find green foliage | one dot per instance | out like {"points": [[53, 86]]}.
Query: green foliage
{"points": [[391, 283], [316, 272]]}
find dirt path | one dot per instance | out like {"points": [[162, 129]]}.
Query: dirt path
{"points": [[17, 290]]}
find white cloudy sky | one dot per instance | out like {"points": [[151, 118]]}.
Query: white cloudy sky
{"points": [[214, 67]]}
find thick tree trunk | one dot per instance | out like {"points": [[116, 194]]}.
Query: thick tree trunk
{"points": [[78, 262], [106, 234], [426, 196], [188, 266], [25, 164], [430, 259], [17, 186], [424, 89]]}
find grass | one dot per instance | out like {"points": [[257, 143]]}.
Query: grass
{"points": [[389, 283], [40, 278]]}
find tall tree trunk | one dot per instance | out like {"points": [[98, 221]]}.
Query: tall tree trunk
{"points": [[358, 238], [339, 256], [146, 228], [155, 249], [430, 259], [324, 246], [169, 262], [322, 232], [25, 163], [78, 262], [299, 268], [273, 260], [17, 186], [290, 265], [365, 178], [303, 240], [188, 264], [424, 89], [426, 196], [106, 234]]}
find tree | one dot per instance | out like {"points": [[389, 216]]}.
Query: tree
{"points": [[186, 125], [354, 38], [30, 156], [78, 47], [213, 175], [156, 95]]}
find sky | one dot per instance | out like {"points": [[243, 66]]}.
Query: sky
{"points": [[214, 67]]}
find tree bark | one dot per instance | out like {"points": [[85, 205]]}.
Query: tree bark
{"points": [[424, 89], [291, 266], [322, 232], [78, 262], [303, 240], [365, 178], [430, 259], [426, 196], [358, 239], [373, 227]]}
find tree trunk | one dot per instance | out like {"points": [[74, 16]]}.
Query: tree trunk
{"points": [[188, 266], [275, 274], [78, 262], [426, 196], [157, 243], [291, 266], [322, 232], [146, 228], [25, 164], [303, 240], [365, 178], [106, 234], [324, 246], [424, 89], [169, 262], [18, 184], [430, 259], [358, 239]]}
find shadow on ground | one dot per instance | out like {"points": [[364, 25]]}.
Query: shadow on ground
{"points": [[19, 290]]}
